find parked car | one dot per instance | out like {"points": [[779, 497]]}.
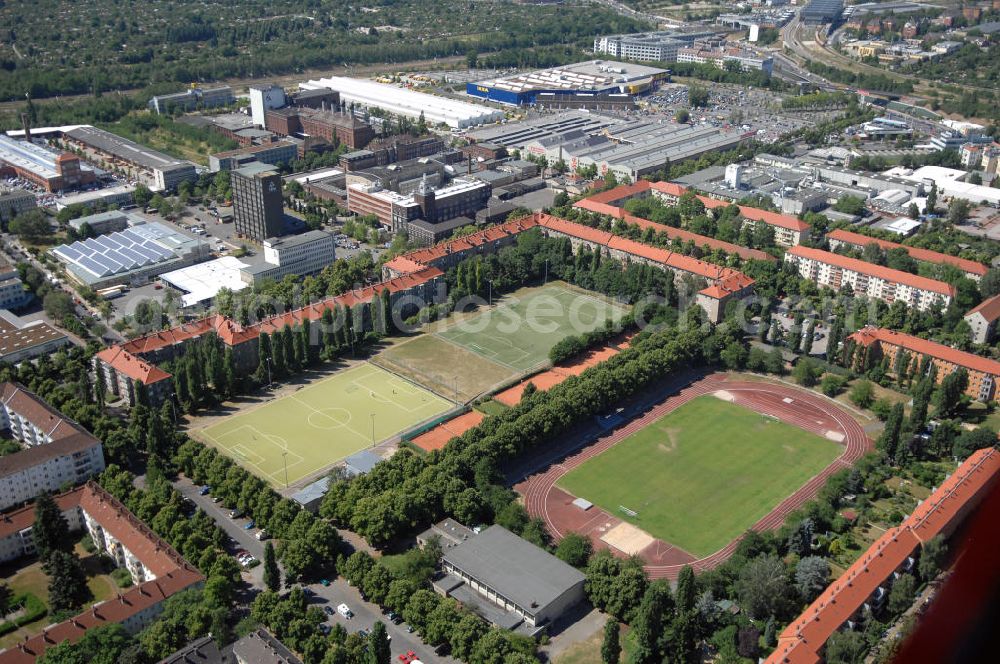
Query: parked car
{"points": [[261, 535], [205, 490], [324, 582], [328, 610], [345, 611], [408, 657], [236, 514], [250, 525]]}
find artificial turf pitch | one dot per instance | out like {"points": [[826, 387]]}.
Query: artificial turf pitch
{"points": [[321, 424], [703, 474]]}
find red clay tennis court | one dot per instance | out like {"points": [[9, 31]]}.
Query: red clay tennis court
{"points": [[438, 437]]}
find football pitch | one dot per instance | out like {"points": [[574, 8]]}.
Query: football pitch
{"points": [[472, 354], [703, 474], [318, 425]]}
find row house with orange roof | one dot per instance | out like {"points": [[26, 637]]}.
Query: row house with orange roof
{"points": [[863, 586], [880, 342], [836, 271], [982, 320], [159, 572], [841, 238]]}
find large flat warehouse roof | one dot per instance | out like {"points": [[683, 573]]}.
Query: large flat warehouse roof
{"points": [[458, 114], [123, 148], [593, 75], [31, 157]]}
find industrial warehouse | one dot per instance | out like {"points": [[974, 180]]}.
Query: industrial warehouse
{"points": [[630, 149], [436, 110], [583, 79]]}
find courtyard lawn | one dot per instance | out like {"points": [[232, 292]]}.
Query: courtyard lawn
{"points": [[318, 425], [702, 475]]}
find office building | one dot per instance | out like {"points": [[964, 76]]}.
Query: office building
{"points": [[264, 98], [425, 233], [278, 152], [258, 206], [332, 126], [836, 271], [158, 571], [647, 46], [525, 582], [841, 238], [191, 99], [720, 57], [57, 451], [12, 292], [463, 197], [260, 647], [52, 170], [160, 171], [101, 223], [847, 602], [22, 340], [303, 254], [880, 342], [818, 12], [120, 195], [14, 203]]}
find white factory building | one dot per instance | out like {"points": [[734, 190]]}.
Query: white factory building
{"points": [[401, 101], [950, 183]]}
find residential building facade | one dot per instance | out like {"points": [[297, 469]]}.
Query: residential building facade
{"points": [[982, 319], [258, 205], [835, 271]]}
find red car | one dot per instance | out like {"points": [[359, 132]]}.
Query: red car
{"points": [[408, 657]]}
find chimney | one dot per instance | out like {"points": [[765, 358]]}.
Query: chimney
{"points": [[26, 125]]}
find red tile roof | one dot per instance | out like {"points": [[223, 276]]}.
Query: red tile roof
{"points": [[404, 265], [669, 188], [173, 573], [129, 365], [868, 335], [988, 309], [925, 255], [803, 640], [755, 214], [604, 203], [872, 270]]}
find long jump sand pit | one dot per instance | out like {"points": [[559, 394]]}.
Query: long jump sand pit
{"points": [[627, 538], [725, 395]]}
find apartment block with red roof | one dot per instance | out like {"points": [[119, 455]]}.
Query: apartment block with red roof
{"points": [[58, 450], [983, 320], [972, 269], [866, 583], [836, 271], [123, 371], [983, 372], [158, 571]]}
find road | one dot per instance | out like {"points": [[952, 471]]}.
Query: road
{"points": [[338, 592]]}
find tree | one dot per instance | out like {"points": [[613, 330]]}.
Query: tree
{"points": [[775, 362], [378, 651], [888, 442], [697, 96], [58, 305], [682, 116], [51, 531], [763, 588], [804, 372], [611, 649], [272, 575], [101, 645], [846, 647], [807, 337], [921, 400], [812, 574], [67, 581], [970, 441], [574, 549], [950, 393], [649, 623], [31, 226], [831, 385], [902, 593], [862, 394], [932, 557], [958, 211]]}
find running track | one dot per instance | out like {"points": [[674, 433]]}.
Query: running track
{"points": [[806, 410]]}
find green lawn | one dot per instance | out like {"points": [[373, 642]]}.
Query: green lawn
{"points": [[323, 423], [520, 332], [703, 474]]}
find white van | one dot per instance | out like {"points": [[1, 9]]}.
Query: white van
{"points": [[345, 611]]}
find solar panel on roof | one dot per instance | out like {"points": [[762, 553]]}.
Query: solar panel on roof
{"points": [[134, 255], [163, 253], [151, 255], [93, 266], [92, 245], [132, 235], [110, 241], [69, 252], [122, 259], [109, 263], [106, 245]]}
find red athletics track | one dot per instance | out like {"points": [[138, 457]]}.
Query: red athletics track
{"points": [[798, 407]]}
